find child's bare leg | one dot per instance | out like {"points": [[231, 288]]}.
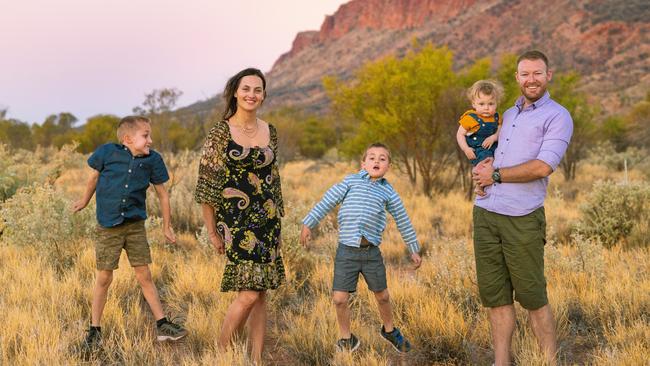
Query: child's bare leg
{"points": [[385, 309], [100, 293], [340, 299], [143, 275]]}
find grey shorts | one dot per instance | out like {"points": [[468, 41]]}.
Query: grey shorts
{"points": [[130, 236], [351, 261]]}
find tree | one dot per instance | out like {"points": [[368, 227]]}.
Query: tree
{"points": [[564, 90], [638, 120], [158, 106], [98, 130], [316, 138], [56, 130], [411, 104]]}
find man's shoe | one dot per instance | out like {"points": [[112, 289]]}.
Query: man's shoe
{"points": [[349, 344], [169, 331], [93, 338], [396, 339]]}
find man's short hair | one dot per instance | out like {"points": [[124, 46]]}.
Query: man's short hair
{"points": [[376, 144], [533, 55], [130, 124], [486, 87]]}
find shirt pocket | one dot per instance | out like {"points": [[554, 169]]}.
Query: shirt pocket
{"points": [[141, 174]]}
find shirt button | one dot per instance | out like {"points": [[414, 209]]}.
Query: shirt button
{"points": [[123, 200], [513, 125], [507, 139], [129, 170], [122, 214], [126, 186]]}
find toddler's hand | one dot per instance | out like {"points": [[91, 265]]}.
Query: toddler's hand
{"points": [[305, 236], [169, 235], [488, 142], [469, 152], [417, 260]]}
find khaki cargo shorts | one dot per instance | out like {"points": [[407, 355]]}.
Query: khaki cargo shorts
{"points": [[130, 236]]}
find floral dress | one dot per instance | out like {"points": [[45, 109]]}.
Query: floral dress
{"points": [[243, 186]]}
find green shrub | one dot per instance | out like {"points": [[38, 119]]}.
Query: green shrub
{"points": [[614, 210], [39, 217]]}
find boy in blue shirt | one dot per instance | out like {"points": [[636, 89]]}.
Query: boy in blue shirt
{"points": [[121, 174], [364, 197]]}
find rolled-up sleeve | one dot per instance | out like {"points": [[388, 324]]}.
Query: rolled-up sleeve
{"points": [[557, 134]]}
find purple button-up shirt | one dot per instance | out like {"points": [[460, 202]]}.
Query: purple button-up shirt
{"points": [[540, 131]]}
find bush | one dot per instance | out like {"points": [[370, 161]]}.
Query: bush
{"points": [[39, 217], [613, 211]]}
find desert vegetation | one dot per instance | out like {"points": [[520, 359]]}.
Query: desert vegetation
{"points": [[597, 267]]}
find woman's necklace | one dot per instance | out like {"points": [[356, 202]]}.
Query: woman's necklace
{"points": [[249, 132]]}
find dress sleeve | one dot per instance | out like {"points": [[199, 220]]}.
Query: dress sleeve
{"points": [[212, 167], [275, 172]]}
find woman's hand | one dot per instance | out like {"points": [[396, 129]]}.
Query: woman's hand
{"points": [[217, 242]]}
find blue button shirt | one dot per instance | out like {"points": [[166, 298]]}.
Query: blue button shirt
{"points": [[123, 181]]}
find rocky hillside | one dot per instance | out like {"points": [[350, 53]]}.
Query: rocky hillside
{"points": [[608, 42]]}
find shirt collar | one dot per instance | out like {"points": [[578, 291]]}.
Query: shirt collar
{"points": [[538, 103], [366, 176]]}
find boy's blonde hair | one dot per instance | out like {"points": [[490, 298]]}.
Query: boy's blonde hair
{"points": [[376, 144], [486, 87], [130, 124]]}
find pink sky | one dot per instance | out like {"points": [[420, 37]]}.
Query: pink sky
{"points": [[89, 57]]}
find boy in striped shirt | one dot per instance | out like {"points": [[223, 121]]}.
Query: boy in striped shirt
{"points": [[364, 197]]}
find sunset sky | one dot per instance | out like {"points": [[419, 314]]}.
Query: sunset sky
{"points": [[89, 57]]}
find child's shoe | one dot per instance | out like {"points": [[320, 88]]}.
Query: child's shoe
{"points": [[93, 338], [349, 344], [169, 331], [396, 339]]}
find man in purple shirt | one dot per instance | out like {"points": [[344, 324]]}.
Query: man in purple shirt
{"points": [[509, 220]]}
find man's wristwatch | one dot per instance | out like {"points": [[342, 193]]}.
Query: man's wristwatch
{"points": [[496, 176]]}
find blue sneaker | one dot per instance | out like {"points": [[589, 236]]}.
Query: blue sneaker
{"points": [[396, 339]]}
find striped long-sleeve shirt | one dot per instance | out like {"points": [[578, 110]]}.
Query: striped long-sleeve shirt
{"points": [[364, 203]]}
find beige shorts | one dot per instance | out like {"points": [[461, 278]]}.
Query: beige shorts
{"points": [[130, 236]]}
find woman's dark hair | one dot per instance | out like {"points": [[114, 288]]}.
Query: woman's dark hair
{"points": [[231, 88]]}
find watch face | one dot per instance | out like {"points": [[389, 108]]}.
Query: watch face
{"points": [[496, 176]]}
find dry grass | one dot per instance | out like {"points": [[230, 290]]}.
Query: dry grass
{"points": [[601, 297]]}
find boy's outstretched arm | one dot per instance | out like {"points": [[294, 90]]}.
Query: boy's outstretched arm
{"points": [[165, 207], [332, 197], [91, 184], [396, 208]]}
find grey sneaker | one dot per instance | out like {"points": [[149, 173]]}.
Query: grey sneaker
{"points": [[396, 339], [169, 331], [349, 344], [93, 339]]}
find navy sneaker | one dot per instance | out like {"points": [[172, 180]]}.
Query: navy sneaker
{"points": [[349, 344], [93, 338], [396, 339]]}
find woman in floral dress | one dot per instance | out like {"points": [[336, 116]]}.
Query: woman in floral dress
{"points": [[241, 198]]}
